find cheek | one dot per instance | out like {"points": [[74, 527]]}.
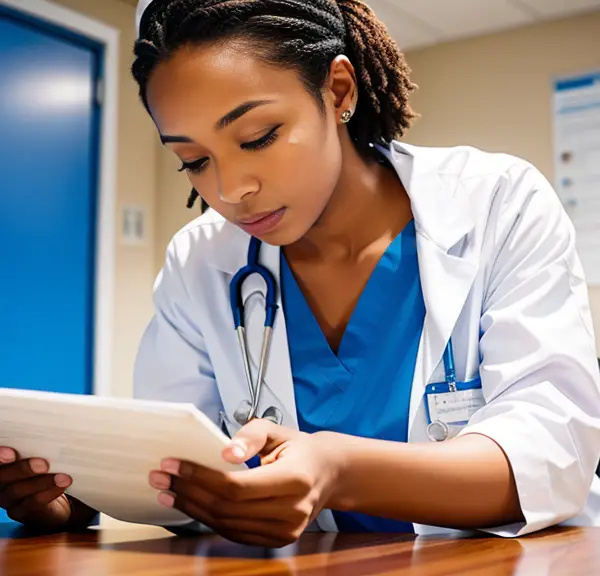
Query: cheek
{"points": [[313, 157], [207, 186]]}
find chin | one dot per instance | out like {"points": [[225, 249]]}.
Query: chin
{"points": [[284, 235], [280, 239]]}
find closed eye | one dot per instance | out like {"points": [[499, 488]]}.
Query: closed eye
{"points": [[268, 139], [263, 142], [194, 167]]}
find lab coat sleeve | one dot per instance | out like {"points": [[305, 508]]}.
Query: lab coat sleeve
{"points": [[538, 367], [172, 364]]}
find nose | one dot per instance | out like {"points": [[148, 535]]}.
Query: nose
{"points": [[236, 184]]}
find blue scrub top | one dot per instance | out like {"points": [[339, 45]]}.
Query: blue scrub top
{"points": [[365, 389]]}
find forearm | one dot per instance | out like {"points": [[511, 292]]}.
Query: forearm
{"points": [[466, 483]]}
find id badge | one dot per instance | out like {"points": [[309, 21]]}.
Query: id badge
{"points": [[450, 407]]}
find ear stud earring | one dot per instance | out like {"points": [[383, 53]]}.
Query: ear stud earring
{"points": [[346, 116]]}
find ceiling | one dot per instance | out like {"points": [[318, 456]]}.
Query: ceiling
{"points": [[419, 23]]}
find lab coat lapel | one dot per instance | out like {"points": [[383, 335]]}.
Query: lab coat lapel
{"points": [[446, 281], [447, 271]]}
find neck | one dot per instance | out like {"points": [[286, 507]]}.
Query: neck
{"points": [[368, 208]]}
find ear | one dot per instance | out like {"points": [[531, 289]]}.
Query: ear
{"points": [[342, 87]]}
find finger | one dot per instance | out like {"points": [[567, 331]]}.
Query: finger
{"points": [[22, 469], [256, 532], [13, 493], [34, 487], [226, 485], [259, 436], [27, 507], [7, 455], [276, 509], [273, 481], [213, 480], [257, 483]]}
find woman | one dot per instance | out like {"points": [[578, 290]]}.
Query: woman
{"points": [[285, 115]]}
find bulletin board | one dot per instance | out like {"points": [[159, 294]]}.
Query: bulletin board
{"points": [[577, 162]]}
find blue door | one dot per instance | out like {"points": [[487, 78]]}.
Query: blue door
{"points": [[49, 143]]}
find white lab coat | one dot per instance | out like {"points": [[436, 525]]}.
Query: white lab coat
{"points": [[499, 274]]}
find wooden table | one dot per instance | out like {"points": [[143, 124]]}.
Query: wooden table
{"points": [[153, 552]]}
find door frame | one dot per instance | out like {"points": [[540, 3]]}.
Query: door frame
{"points": [[105, 226]]}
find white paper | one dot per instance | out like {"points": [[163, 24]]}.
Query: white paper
{"points": [[577, 161], [110, 445]]}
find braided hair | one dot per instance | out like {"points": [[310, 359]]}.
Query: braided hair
{"points": [[304, 35]]}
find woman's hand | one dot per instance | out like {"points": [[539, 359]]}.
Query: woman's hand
{"points": [[267, 506], [37, 499], [30, 495]]}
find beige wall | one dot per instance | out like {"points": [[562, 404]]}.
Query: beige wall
{"points": [[136, 184], [495, 92], [173, 190]]}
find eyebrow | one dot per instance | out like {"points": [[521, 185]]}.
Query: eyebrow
{"points": [[227, 120], [238, 112], [166, 139]]}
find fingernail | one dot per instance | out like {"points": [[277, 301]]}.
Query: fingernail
{"points": [[166, 500], [160, 481], [7, 455], [238, 451], [170, 466], [39, 466], [62, 480]]}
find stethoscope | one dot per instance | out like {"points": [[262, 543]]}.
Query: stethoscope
{"points": [[248, 409]]}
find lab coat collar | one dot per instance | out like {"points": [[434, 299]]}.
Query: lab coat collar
{"points": [[439, 213], [228, 248]]}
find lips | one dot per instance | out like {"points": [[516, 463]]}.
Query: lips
{"points": [[262, 223], [249, 220]]}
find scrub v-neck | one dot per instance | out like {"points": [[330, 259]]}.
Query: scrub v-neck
{"points": [[364, 390]]}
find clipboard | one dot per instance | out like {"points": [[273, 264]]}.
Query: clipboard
{"points": [[110, 445]]}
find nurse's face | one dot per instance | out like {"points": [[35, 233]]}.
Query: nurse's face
{"points": [[255, 143]]}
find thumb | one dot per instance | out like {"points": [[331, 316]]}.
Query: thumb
{"points": [[259, 436]]}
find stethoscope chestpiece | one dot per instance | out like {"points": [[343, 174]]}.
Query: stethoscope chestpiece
{"points": [[274, 415], [437, 431], [241, 415]]}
